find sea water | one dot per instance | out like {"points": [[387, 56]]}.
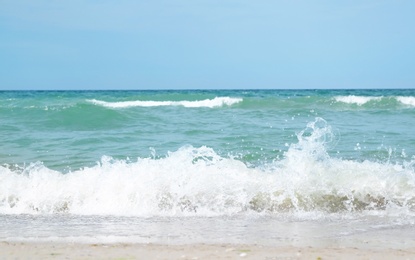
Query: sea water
{"points": [[180, 166]]}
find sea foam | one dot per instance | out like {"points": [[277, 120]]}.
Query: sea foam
{"points": [[196, 181], [409, 101], [210, 103], [358, 100]]}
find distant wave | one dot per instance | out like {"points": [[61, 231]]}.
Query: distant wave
{"points": [[210, 103], [358, 100], [362, 100], [410, 101]]}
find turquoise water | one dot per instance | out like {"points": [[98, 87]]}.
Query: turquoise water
{"points": [[67, 130], [207, 152]]}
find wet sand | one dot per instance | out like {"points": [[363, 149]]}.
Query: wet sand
{"points": [[63, 237], [52, 250]]}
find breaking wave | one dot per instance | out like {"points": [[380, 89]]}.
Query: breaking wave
{"points": [[362, 100], [410, 101], [358, 100], [198, 181], [210, 103]]}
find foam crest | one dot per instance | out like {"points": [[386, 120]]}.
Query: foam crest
{"points": [[198, 181], [409, 101], [357, 100], [210, 103]]}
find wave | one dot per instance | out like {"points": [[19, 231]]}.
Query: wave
{"points": [[358, 100], [198, 181], [362, 100], [409, 101], [210, 103]]}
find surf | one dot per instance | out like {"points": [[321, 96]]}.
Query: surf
{"points": [[209, 103], [197, 181]]}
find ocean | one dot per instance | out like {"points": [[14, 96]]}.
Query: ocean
{"points": [[206, 166]]}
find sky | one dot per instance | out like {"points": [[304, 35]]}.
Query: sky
{"points": [[206, 44]]}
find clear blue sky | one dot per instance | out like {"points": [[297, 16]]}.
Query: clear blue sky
{"points": [[170, 44]]}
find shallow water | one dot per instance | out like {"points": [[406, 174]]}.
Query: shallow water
{"points": [[372, 232]]}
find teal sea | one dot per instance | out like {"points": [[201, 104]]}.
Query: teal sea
{"points": [[121, 160]]}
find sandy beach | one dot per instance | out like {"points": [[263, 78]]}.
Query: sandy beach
{"points": [[33, 250]]}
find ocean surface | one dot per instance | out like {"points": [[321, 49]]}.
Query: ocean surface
{"points": [[259, 166]]}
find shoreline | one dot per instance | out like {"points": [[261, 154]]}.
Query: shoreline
{"points": [[65, 250]]}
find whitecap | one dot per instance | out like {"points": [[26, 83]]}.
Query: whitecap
{"points": [[210, 103], [409, 101], [358, 100]]}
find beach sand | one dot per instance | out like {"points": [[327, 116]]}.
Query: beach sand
{"points": [[52, 250]]}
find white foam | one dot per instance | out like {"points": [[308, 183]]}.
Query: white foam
{"points": [[409, 101], [358, 100], [197, 181], [210, 103]]}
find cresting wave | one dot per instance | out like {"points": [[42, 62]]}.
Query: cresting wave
{"points": [[358, 100], [210, 103], [197, 181], [361, 100], [410, 101]]}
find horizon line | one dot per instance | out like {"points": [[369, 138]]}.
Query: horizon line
{"points": [[206, 89]]}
